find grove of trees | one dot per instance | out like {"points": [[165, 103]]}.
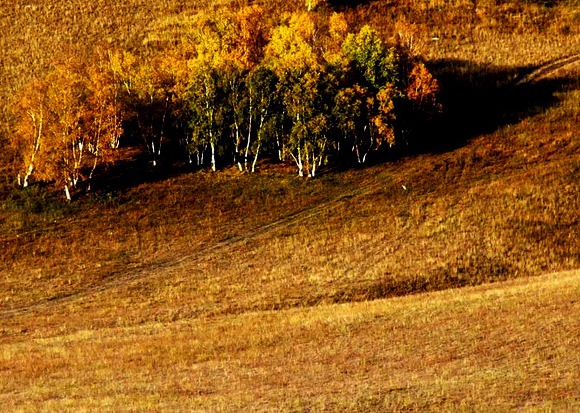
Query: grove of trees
{"points": [[232, 89]]}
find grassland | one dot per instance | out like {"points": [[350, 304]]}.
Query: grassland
{"points": [[493, 348], [184, 291]]}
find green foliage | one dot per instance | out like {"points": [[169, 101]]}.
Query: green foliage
{"points": [[374, 63], [263, 108], [208, 106], [307, 98]]}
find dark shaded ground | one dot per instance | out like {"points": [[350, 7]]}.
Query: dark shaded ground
{"points": [[481, 99]]}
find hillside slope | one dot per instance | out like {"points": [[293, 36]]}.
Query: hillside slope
{"points": [[219, 292], [361, 290], [503, 206], [509, 346]]}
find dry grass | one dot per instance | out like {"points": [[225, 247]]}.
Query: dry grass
{"points": [[502, 347], [504, 206], [229, 292]]}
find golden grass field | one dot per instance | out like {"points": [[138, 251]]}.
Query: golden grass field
{"points": [[511, 346], [444, 280]]}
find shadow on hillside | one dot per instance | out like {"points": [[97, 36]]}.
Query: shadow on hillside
{"points": [[343, 4], [134, 171], [481, 99]]}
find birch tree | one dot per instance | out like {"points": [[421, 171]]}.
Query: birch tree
{"points": [[103, 117], [375, 64], [350, 115], [212, 73], [66, 124], [207, 102], [237, 106], [263, 105], [152, 94], [306, 100], [68, 142], [375, 69], [292, 56], [29, 134]]}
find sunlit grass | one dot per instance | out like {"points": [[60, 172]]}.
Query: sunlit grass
{"points": [[233, 292], [220, 243], [512, 346]]}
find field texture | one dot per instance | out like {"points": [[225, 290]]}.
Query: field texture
{"points": [[505, 347], [443, 280]]}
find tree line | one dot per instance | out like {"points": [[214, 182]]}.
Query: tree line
{"points": [[229, 89]]}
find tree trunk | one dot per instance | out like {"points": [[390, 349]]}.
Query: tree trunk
{"points": [[35, 149], [280, 155], [67, 193], [26, 176], [237, 157], [249, 140], [256, 158], [213, 161], [152, 150], [300, 164]]}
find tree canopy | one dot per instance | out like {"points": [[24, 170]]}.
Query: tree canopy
{"points": [[234, 88]]}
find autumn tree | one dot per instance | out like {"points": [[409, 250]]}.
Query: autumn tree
{"points": [[230, 90], [233, 77], [104, 120], [210, 73], [151, 97], [306, 98], [207, 100], [65, 123], [350, 118], [375, 73], [420, 105], [292, 54], [29, 134], [337, 32], [250, 37], [373, 61], [67, 143], [293, 44], [263, 107]]}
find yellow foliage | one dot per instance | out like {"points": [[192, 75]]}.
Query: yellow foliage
{"points": [[251, 37], [383, 121], [292, 43], [337, 32], [312, 4], [67, 121], [422, 88]]}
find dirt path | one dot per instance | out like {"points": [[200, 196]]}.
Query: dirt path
{"points": [[144, 272], [550, 69]]}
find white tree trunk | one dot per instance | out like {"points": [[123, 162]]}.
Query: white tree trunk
{"points": [[300, 164], [249, 141], [35, 149], [213, 161], [27, 175], [256, 158], [67, 193]]}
